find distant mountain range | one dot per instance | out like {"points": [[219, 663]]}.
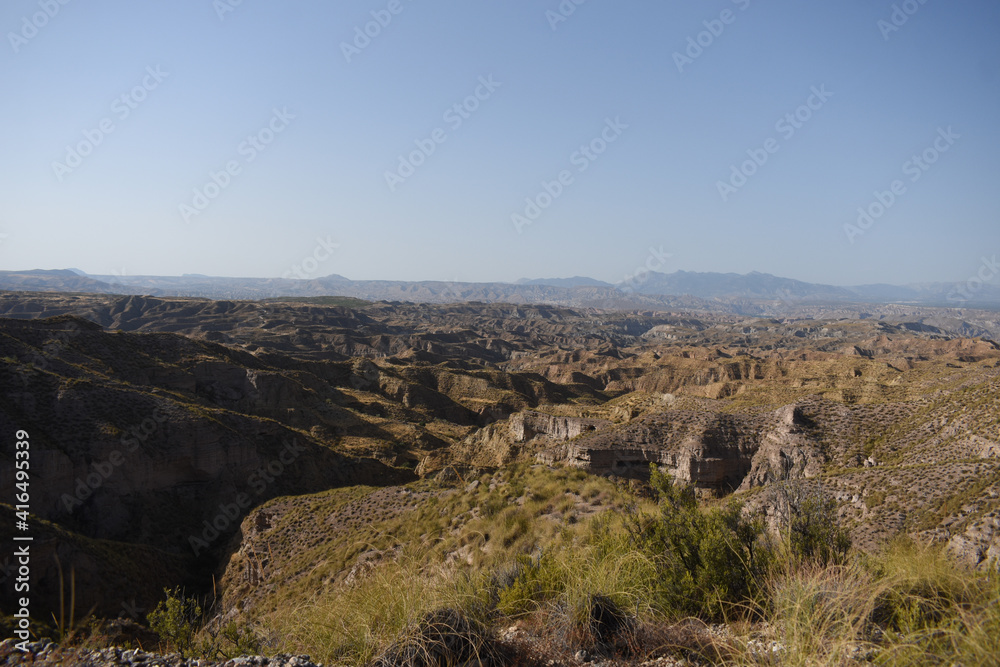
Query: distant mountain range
{"points": [[678, 290], [575, 281], [752, 285]]}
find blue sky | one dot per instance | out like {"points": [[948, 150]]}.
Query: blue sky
{"points": [[190, 88]]}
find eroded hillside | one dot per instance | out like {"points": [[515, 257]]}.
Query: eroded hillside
{"points": [[191, 406]]}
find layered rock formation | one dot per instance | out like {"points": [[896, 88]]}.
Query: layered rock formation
{"points": [[529, 424], [713, 452], [523, 432]]}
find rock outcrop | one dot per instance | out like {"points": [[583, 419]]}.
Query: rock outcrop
{"points": [[529, 424], [523, 432], [784, 451], [711, 451], [717, 452], [979, 545]]}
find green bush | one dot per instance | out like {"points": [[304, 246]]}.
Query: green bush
{"points": [[519, 588], [735, 557], [909, 604], [812, 531], [923, 587], [174, 619], [232, 641], [708, 561]]}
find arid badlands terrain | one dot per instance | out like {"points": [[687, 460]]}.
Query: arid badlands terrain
{"points": [[264, 454]]}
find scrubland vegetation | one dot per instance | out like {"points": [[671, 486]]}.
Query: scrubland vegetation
{"points": [[562, 562]]}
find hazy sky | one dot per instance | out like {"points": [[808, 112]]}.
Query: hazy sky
{"points": [[245, 138]]}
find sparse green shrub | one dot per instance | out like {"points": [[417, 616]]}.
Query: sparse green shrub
{"points": [[811, 531], [735, 558], [527, 583], [922, 585], [591, 490], [519, 587], [355, 624], [514, 524], [493, 505], [232, 641], [907, 605], [933, 610], [175, 618], [708, 561], [875, 498], [815, 533]]}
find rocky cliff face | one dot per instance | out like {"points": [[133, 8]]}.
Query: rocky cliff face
{"points": [[710, 451], [529, 424], [714, 452], [522, 433], [979, 544], [785, 451]]}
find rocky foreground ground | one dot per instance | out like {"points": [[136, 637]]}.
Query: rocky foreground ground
{"points": [[516, 645], [46, 652]]}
